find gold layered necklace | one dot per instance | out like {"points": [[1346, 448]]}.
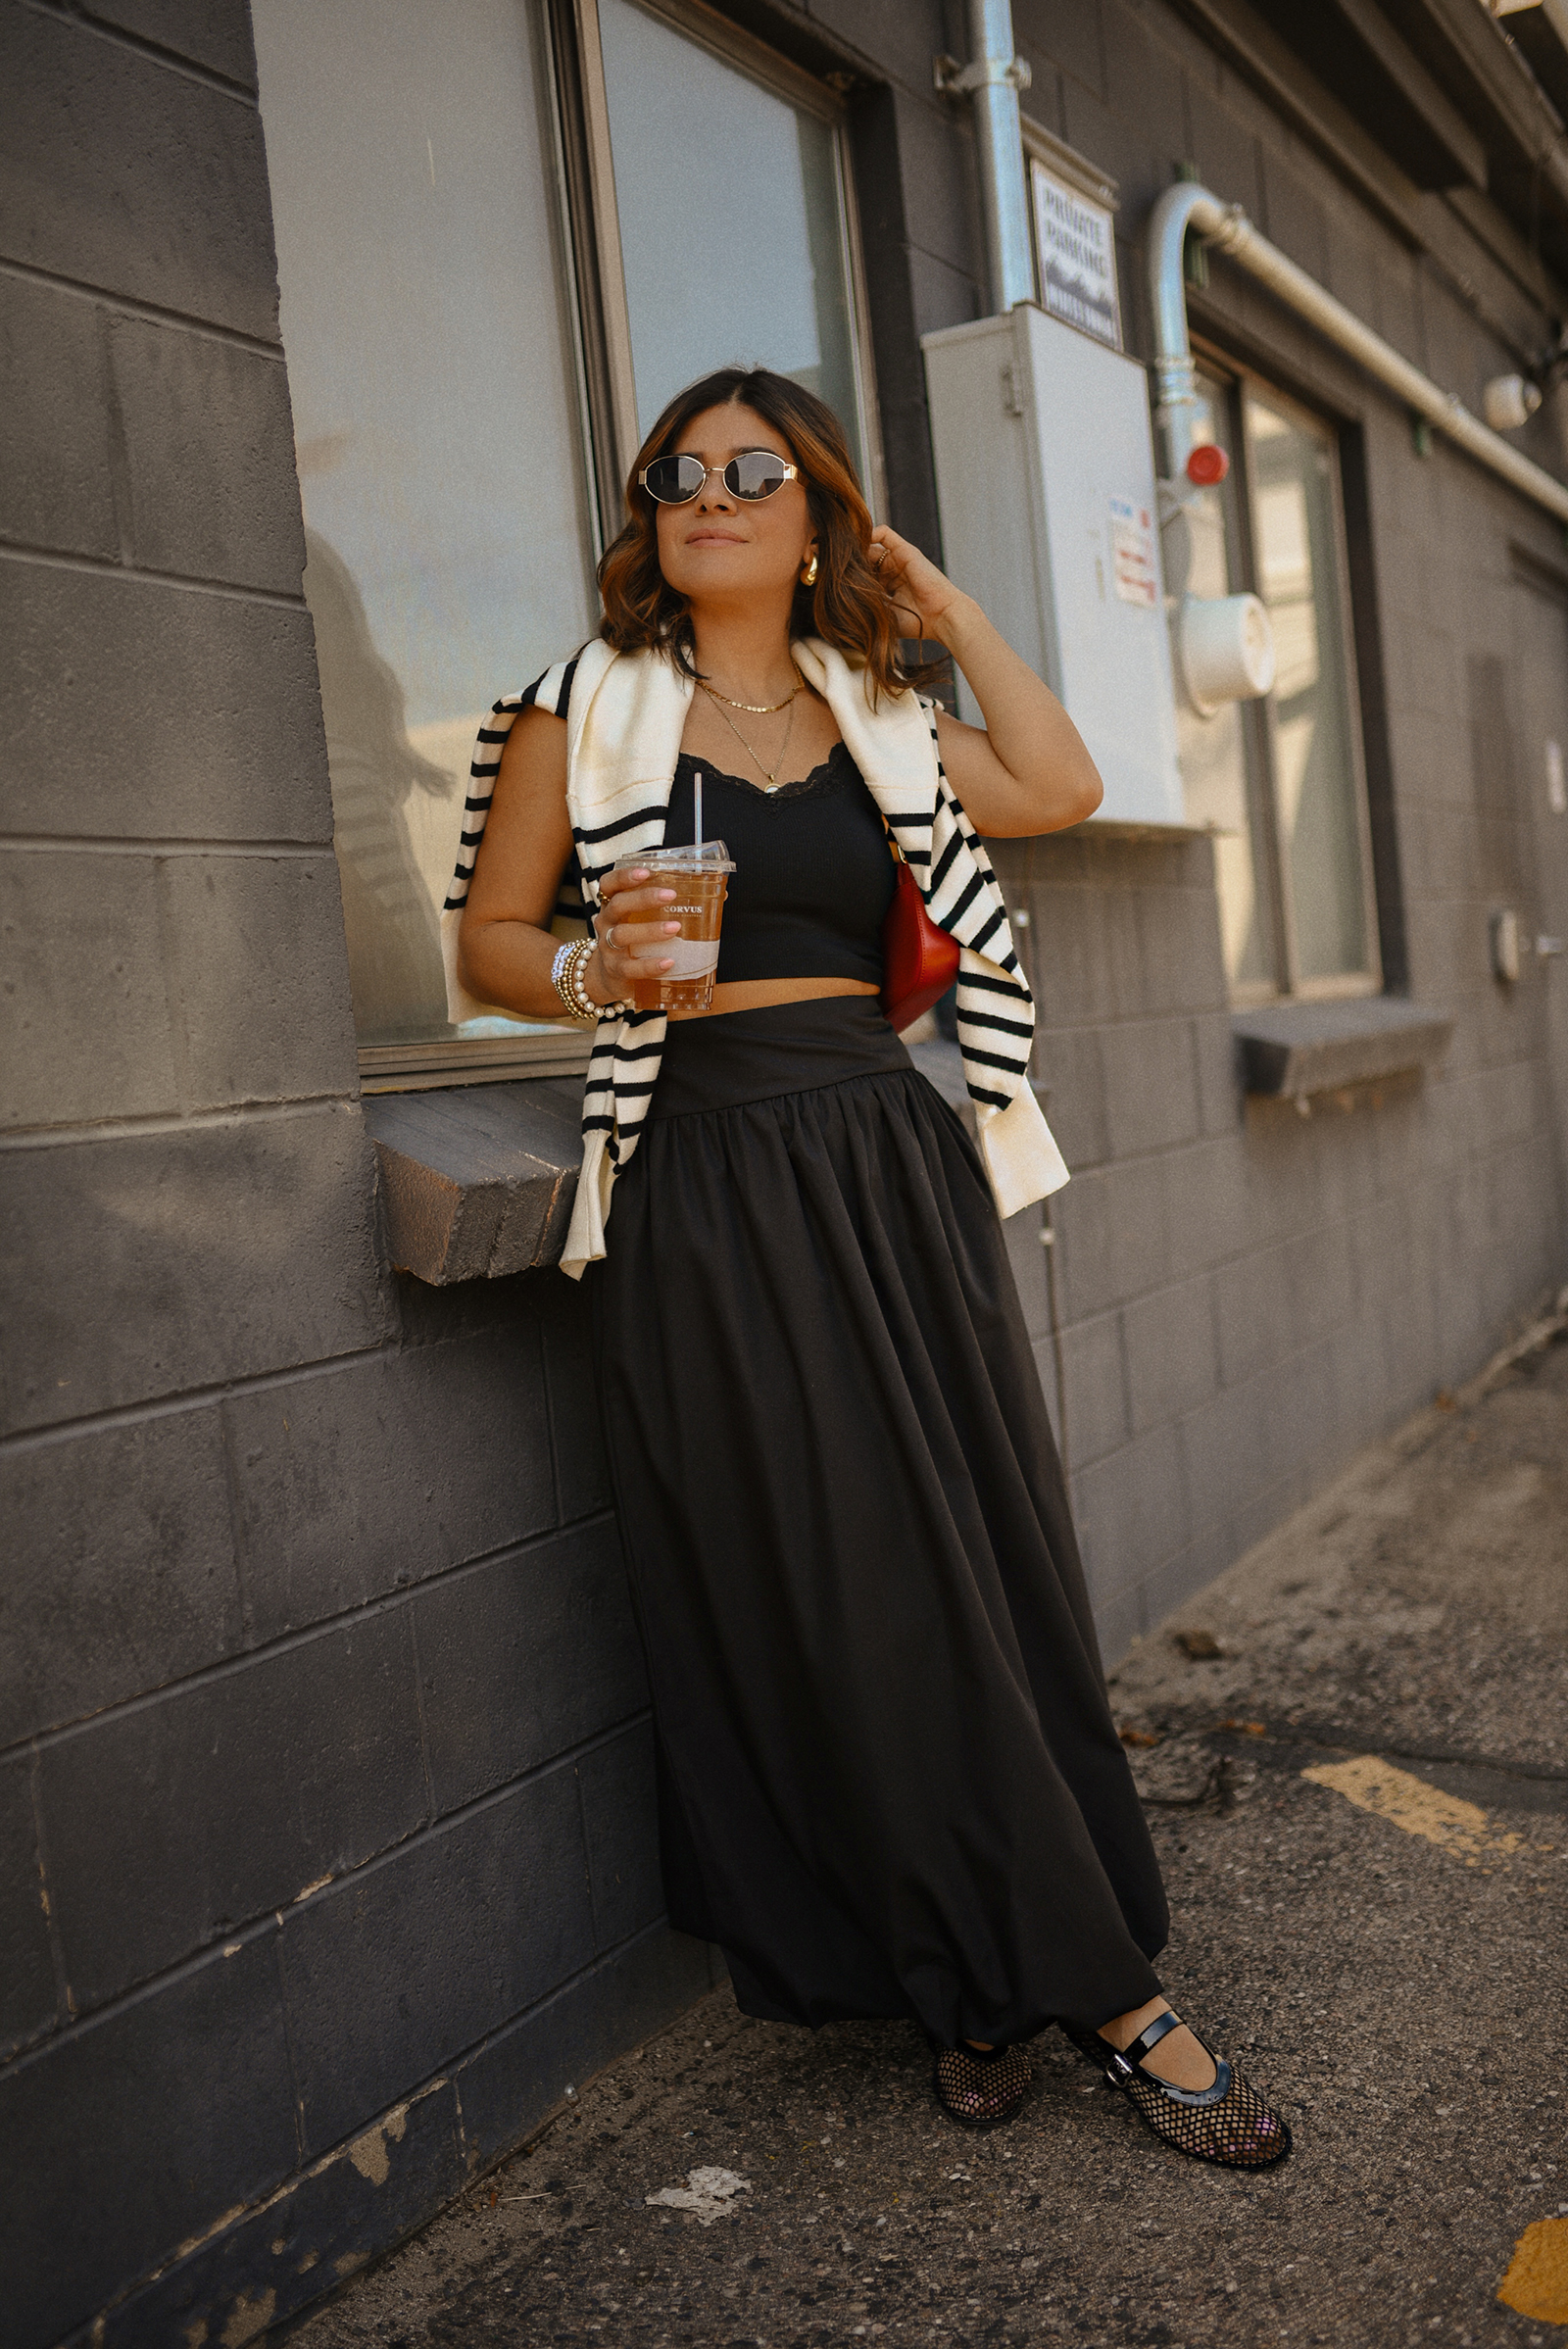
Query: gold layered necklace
{"points": [[757, 710]]}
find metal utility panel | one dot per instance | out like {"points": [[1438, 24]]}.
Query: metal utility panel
{"points": [[1046, 481]]}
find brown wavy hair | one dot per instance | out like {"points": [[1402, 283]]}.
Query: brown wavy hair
{"points": [[849, 607]]}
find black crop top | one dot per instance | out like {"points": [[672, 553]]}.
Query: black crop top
{"points": [[813, 874]]}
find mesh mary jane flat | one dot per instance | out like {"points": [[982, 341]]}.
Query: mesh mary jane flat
{"points": [[1227, 2123], [982, 2091]]}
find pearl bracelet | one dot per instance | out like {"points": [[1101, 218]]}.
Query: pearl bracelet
{"points": [[566, 977]]}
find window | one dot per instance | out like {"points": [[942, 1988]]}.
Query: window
{"points": [[436, 418], [1280, 781], [737, 233], [734, 229], [467, 400]]}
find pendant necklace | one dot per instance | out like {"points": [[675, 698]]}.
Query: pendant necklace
{"points": [[789, 728]]}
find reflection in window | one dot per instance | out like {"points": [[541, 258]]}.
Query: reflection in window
{"points": [[1316, 786], [731, 221], [431, 373], [1280, 782]]}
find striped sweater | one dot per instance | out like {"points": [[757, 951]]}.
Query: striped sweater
{"points": [[626, 715]]}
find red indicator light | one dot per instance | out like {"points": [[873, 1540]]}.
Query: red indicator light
{"points": [[1207, 466]]}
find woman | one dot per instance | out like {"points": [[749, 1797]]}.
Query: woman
{"points": [[889, 1779]]}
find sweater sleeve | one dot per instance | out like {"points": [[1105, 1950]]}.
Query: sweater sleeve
{"points": [[551, 692]]}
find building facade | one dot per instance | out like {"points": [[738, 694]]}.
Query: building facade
{"points": [[325, 1804]]}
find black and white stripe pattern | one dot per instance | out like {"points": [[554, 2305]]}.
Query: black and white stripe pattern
{"points": [[551, 692], [995, 1009], [935, 836]]}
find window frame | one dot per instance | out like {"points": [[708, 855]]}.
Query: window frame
{"points": [[1271, 853], [596, 226]]}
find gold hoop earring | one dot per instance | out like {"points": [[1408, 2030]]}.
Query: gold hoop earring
{"points": [[808, 577]]}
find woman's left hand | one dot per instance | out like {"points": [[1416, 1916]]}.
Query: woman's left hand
{"points": [[917, 590]]}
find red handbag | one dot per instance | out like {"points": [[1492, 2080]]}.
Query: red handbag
{"points": [[919, 960]]}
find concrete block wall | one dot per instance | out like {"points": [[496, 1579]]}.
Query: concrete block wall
{"points": [[327, 1853], [1245, 1297], [327, 1850]]}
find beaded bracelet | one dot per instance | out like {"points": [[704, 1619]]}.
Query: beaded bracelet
{"points": [[566, 977]]}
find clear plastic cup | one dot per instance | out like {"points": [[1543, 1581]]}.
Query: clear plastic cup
{"points": [[700, 876]]}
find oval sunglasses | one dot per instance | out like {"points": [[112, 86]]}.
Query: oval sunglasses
{"points": [[754, 473]]}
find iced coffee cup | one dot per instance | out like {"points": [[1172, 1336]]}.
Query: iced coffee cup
{"points": [[698, 876]]}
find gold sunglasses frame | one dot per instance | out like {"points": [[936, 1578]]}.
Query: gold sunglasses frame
{"points": [[790, 473]]}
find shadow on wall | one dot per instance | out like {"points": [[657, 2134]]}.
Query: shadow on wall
{"points": [[393, 926]]}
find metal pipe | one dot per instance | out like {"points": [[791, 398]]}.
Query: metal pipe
{"points": [[1227, 227], [993, 75]]}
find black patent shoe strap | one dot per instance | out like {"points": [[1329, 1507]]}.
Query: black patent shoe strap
{"points": [[1150, 2036], [1122, 2064]]}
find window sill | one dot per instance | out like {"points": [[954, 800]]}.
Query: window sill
{"points": [[478, 1181], [1288, 1051]]}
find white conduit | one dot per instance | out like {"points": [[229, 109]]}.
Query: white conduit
{"points": [[1228, 229]]}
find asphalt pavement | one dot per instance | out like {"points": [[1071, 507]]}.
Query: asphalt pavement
{"points": [[1355, 1752]]}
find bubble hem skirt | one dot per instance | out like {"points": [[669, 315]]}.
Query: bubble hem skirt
{"points": [[889, 1781]]}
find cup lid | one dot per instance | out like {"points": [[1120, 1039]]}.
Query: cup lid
{"points": [[712, 855]]}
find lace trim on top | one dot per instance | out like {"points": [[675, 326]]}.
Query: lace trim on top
{"points": [[836, 773]]}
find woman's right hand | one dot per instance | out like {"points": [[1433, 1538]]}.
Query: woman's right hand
{"points": [[621, 924]]}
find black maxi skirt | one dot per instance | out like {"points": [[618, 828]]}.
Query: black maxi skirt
{"points": [[889, 1779]]}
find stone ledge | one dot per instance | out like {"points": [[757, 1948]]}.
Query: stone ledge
{"points": [[478, 1180], [1291, 1050]]}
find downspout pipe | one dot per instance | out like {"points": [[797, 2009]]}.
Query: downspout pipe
{"points": [[1228, 229], [994, 77]]}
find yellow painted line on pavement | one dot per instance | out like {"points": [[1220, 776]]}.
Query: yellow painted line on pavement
{"points": [[1461, 1828], [1537, 2282]]}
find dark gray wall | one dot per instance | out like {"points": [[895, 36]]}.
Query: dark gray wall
{"points": [[324, 1778], [324, 1769]]}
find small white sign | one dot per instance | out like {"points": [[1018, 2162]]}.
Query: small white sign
{"points": [[1132, 552], [1076, 243], [1556, 788]]}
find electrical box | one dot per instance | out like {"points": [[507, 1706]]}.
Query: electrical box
{"points": [[1044, 471]]}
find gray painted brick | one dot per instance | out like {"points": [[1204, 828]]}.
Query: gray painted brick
{"points": [[337, 2215], [1253, 1305], [215, 33], [1064, 32], [620, 1817], [523, 1658], [1150, 1085], [355, 1481], [936, 174], [1210, 1206], [1229, 1451], [131, 2135], [508, 2085], [175, 1823], [388, 1977], [1131, 1514], [217, 720], [87, 1031], [196, 1256], [1172, 1356], [27, 2003], [941, 296], [122, 1574], [1183, 967], [1179, 1579], [1219, 1085], [209, 457], [1114, 1236], [56, 487], [1069, 1064], [1098, 1419], [178, 215], [261, 976], [1086, 949]]}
